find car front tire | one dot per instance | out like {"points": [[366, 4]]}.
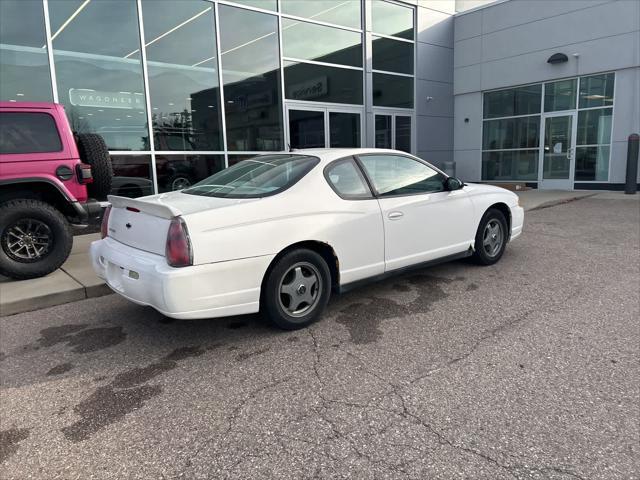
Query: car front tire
{"points": [[491, 238], [296, 289]]}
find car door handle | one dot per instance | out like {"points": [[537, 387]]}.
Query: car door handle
{"points": [[395, 215]]}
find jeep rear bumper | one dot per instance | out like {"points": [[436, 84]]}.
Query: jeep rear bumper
{"points": [[88, 212]]}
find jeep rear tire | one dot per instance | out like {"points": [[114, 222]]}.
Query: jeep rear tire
{"points": [[94, 151], [35, 239]]}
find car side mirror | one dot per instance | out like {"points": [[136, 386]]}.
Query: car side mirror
{"points": [[453, 183]]}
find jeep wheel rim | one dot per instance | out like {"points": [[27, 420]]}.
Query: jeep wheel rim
{"points": [[27, 240]]}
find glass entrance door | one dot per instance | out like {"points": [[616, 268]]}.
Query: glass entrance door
{"points": [[393, 130], [323, 127], [558, 152]]}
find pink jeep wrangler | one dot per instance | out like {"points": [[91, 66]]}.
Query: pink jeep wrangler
{"points": [[47, 174]]}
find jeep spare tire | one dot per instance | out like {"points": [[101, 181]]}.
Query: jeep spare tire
{"points": [[94, 151]]}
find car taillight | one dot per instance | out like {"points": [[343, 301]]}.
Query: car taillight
{"points": [[104, 227], [85, 175], [178, 249]]}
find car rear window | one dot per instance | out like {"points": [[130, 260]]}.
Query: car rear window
{"points": [[255, 177], [28, 132]]}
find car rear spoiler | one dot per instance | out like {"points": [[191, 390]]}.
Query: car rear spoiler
{"points": [[154, 207]]}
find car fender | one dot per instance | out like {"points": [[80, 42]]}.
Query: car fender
{"points": [[484, 197], [48, 179]]}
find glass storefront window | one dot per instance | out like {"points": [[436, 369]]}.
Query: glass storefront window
{"points": [[392, 55], [508, 133], [319, 83], [392, 19], [596, 91], [403, 133], [180, 42], [560, 95], [99, 80], [392, 91], [308, 41], [24, 64], [131, 175], [592, 163], [592, 129], [306, 129], [264, 4], [593, 144], [176, 172], [344, 130], [510, 165], [383, 131], [513, 101], [594, 126], [346, 13], [251, 76]]}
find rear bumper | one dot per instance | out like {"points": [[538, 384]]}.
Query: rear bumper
{"points": [[201, 291], [517, 221]]}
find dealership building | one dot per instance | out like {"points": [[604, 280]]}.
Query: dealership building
{"points": [[538, 92]]}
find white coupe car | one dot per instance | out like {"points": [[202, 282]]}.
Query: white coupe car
{"points": [[278, 233]]}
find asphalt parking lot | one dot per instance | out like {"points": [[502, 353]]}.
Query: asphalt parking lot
{"points": [[528, 369]]}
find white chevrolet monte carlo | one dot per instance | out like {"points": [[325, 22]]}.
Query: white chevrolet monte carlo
{"points": [[278, 233]]}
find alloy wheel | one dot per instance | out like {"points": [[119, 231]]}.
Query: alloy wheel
{"points": [[492, 237], [27, 240], [300, 289]]}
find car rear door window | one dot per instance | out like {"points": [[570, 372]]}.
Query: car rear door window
{"points": [[28, 132], [256, 177], [398, 175], [346, 180]]}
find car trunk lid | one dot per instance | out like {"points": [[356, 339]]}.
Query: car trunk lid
{"points": [[143, 223]]}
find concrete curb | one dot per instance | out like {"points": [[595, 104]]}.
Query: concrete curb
{"points": [[74, 281], [64, 294], [553, 203]]}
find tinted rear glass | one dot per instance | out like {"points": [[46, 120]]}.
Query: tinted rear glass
{"points": [[256, 177], [22, 132]]}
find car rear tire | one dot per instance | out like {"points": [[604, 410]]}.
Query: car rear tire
{"points": [[491, 238], [94, 151], [296, 289], [35, 239]]}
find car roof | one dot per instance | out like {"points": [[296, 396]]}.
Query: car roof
{"points": [[30, 105], [330, 154]]}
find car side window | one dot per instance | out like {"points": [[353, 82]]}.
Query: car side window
{"points": [[346, 180], [28, 132], [398, 175]]}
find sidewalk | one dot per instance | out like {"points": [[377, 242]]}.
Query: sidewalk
{"points": [[76, 280]]}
